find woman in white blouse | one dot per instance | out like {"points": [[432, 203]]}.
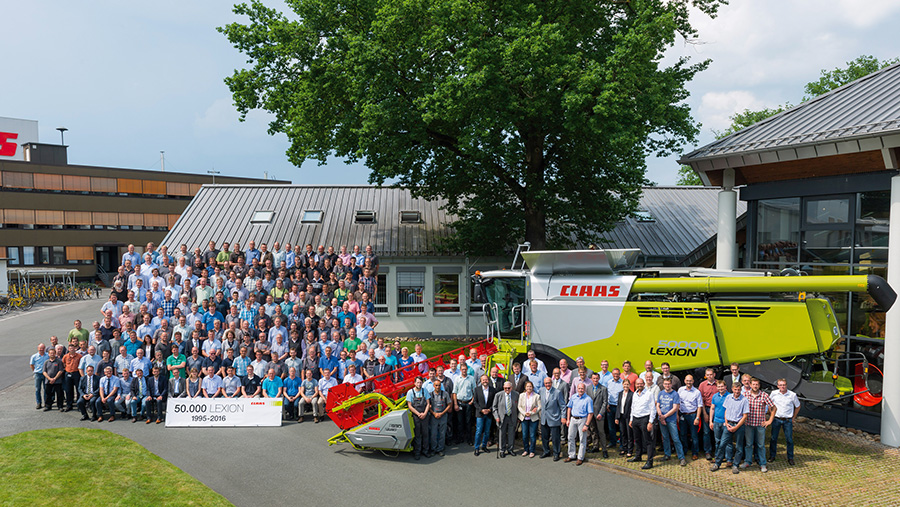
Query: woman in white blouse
{"points": [[530, 415]]}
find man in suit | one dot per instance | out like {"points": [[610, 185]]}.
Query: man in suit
{"points": [[109, 389], [139, 393], [88, 391], [496, 380], [553, 406], [483, 401], [177, 387], [159, 391], [518, 378], [506, 414], [623, 414], [599, 398]]}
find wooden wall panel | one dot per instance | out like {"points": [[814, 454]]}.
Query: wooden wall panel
{"points": [[176, 188], [154, 187], [76, 183], [104, 185], [129, 186], [80, 253], [18, 216], [156, 220], [104, 218], [18, 180], [48, 181], [131, 219], [172, 220], [49, 217], [78, 218]]}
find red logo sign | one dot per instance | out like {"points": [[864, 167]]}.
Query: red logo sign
{"points": [[257, 403], [590, 291], [8, 149], [375, 428]]}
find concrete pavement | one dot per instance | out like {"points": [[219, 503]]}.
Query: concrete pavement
{"points": [[293, 463]]}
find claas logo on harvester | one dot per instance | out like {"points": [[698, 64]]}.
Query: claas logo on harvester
{"points": [[596, 291]]}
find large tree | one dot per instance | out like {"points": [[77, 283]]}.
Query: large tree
{"points": [[532, 118]]}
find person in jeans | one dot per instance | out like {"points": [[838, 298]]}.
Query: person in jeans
{"points": [[732, 437], [667, 405], [786, 408], [529, 414], [482, 401], [762, 411]]}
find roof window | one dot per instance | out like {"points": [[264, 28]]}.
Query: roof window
{"points": [[312, 216], [410, 217], [262, 217], [365, 217]]}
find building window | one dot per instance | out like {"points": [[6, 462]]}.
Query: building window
{"points": [[58, 256], [262, 217], [473, 306], [828, 211], [411, 291], [446, 293], [13, 254], [381, 306], [28, 256], [778, 230], [311, 216], [410, 217], [365, 217], [44, 255], [644, 216]]}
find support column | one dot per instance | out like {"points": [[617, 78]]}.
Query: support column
{"points": [[726, 239], [890, 401]]}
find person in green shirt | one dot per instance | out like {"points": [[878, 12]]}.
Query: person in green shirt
{"points": [[176, 361], [352, 342], [224, 254], [79, 332]]}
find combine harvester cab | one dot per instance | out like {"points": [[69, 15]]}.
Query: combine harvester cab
{"points": [[594, 304]]}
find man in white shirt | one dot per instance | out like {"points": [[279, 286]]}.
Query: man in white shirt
{"points": [[786, 408], [643, 415], [690, 416]]}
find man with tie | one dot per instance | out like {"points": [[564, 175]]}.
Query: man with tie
{"points": [[123, 396], [156, 402], [483, 402], [553, 406], [139, 392], [506, 414], [88, 389], [518, 378], [109, 388]]}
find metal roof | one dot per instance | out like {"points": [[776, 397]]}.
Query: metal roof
{"points": [[683, 218], [865, 109], [223, 212]]}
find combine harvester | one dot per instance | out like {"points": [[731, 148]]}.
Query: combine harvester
{"points": [[593, 303]]}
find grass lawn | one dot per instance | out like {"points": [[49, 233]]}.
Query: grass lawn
{"points": [[77, 466], [433, 348]]}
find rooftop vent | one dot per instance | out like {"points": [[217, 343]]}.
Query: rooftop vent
{"points": [[644, 216], [365, 217], [410, 217]]}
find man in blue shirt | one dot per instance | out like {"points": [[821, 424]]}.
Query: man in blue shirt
{"points": [[328, 363], [37, 368], [667, 405], [579, 412], [735, 409], [292, 393]]}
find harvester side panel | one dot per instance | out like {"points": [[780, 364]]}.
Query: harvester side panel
{"points": [[678, 333], [755, 331]]}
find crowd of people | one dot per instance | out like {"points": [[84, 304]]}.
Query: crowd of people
{"points": [[292, 323]]}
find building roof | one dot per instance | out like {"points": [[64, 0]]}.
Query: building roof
{"points": [[223, 213], [683, 217], [855, 117]]}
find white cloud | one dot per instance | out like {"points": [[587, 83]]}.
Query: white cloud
{"points": [[716, 107]]}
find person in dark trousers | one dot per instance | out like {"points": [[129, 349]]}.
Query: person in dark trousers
{"points": [[419, 402], [506, 415], [623, 416]]}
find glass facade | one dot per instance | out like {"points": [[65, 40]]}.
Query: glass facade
{"points": [[829, 235]]}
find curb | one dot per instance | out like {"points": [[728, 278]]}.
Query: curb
{"points": [[671, 483]]}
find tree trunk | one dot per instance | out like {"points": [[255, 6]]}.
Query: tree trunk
{"points": [[535, 214], [535, 227]]}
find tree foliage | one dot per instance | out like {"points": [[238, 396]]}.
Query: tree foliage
{"points": [[829, 80], [687, 176], [532, 119]]}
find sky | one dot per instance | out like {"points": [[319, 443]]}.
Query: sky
{"points": [[131, 79]]}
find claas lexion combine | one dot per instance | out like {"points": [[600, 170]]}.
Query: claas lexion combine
{"points": [[594, 304]]}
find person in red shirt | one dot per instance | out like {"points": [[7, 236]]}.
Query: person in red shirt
{"points": [[708, 389]]}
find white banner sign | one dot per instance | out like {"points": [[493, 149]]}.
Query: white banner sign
{"points": [[197, 412]]}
